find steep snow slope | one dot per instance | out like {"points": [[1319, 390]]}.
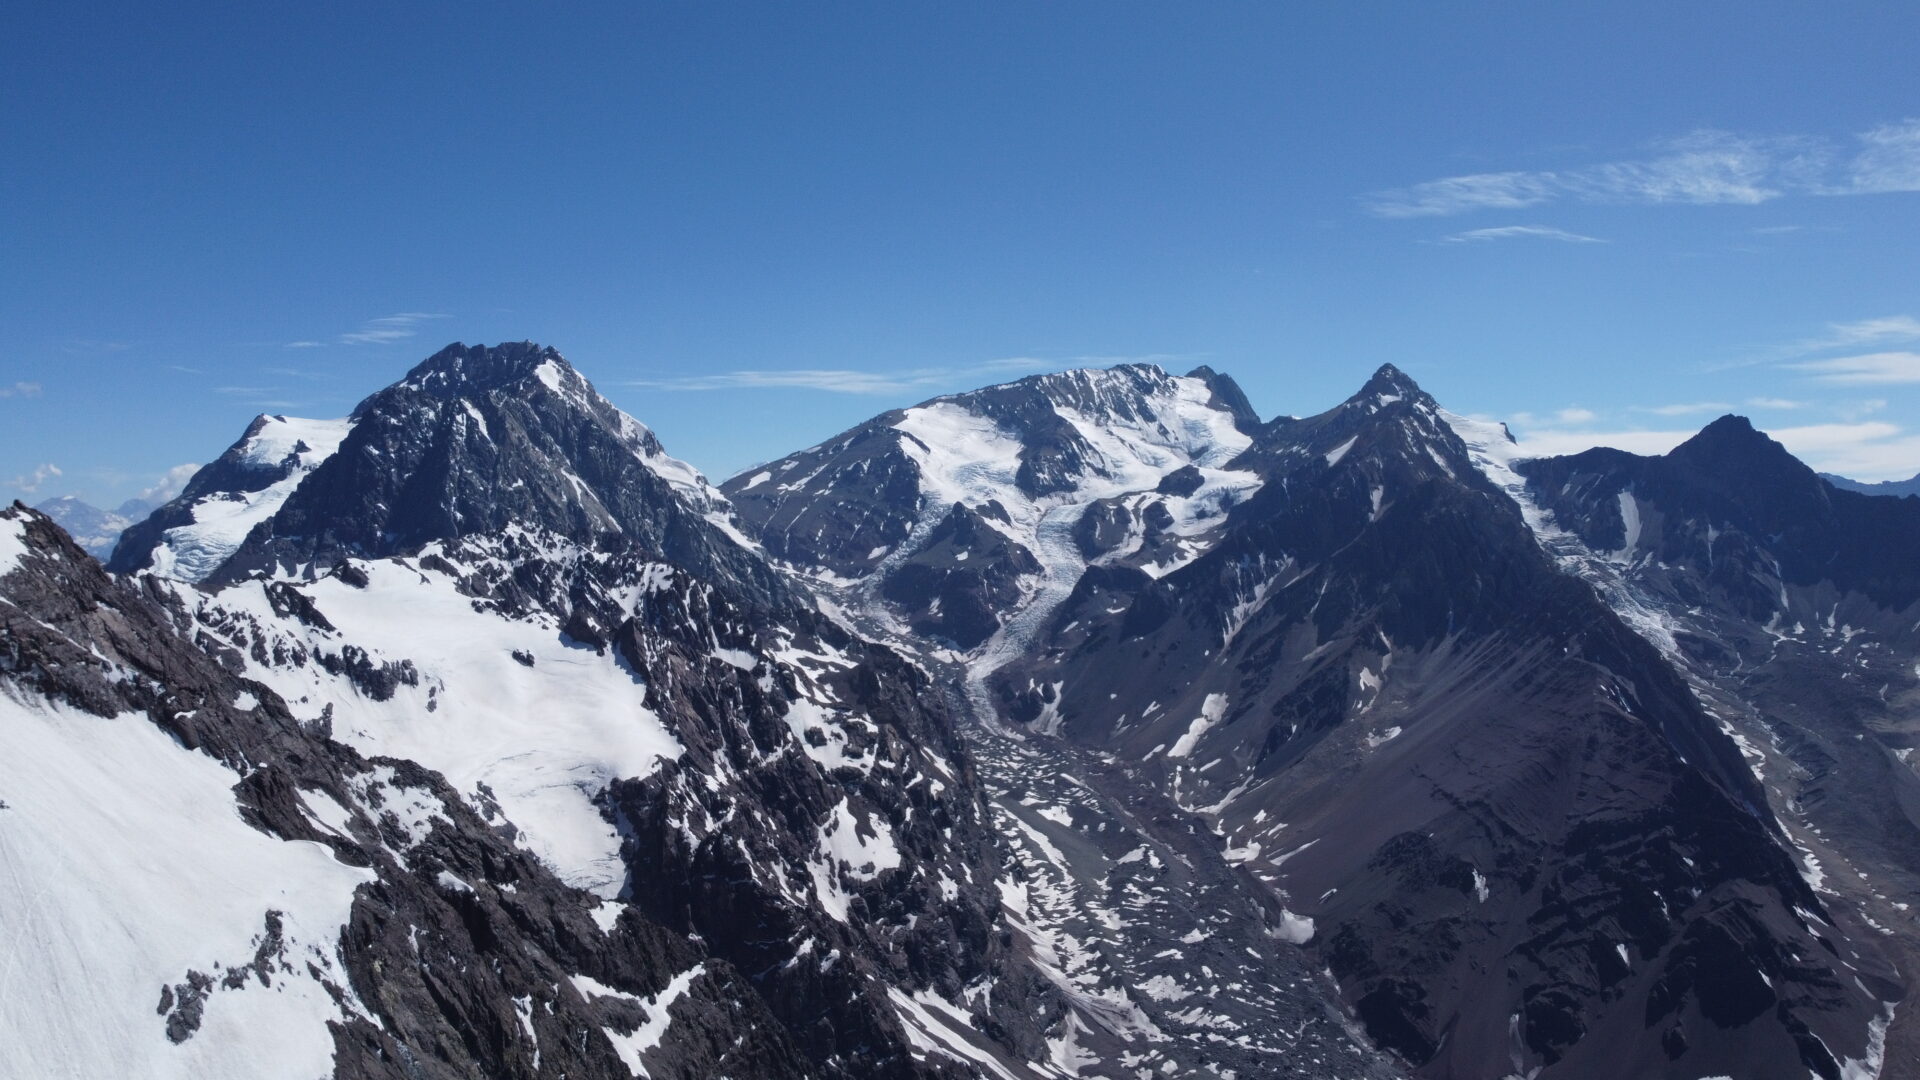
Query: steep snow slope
{"points": [[108, 901], [505, 707]]}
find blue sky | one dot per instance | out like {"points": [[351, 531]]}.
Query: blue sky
{"points": [[754, 225]]}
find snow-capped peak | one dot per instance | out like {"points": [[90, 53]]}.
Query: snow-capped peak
{"points": [[472, 439], [230, 497]]}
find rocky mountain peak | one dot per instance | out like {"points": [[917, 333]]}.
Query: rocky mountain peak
{"points": [[473, 440], [1390, 384], [1732, 444], [521, 369], [1746, 466], [460, 368]]}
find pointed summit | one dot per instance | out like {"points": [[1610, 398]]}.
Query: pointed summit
{"points": [[474, 371], [474, 440], [1228, 395], [463, 366], [1732, 445], [1730, 427], [1390, 381]]}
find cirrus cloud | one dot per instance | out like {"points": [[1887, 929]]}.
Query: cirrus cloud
{"points": [[1519, 232], [384, 330], [1867, 369], [1701, 168]]}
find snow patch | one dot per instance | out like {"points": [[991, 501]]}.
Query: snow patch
{"points": [[1211, 710], [1293, 929], [632, 1046], [545, 739], [13, 542]]}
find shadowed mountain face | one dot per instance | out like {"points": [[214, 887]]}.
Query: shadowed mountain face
{"points": [[1782, 524], [1794, 607], [1517, 837], [1489, 803]]}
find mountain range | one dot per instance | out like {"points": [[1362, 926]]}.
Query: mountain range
{"points": [[1085, 725], [1909, 486], [94, 529]]}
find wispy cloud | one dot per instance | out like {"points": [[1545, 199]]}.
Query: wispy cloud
{"points": [[1847, 335], [382, 331], [1572, 415], [1704, 167], [1882, 366], [1867, 369], [1874, 333], [390, 328], [1869, 450], [89, 347], [1554, 442], [20, 389], [30, 482], [169, 485], [1691, 408], [833, 380], [1889, 160], [1699, 408], [259, 397], [881, 383], [1519, 232]]}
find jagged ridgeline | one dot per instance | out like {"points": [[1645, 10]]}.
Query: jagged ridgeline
{"points": [[1086, 725]]}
